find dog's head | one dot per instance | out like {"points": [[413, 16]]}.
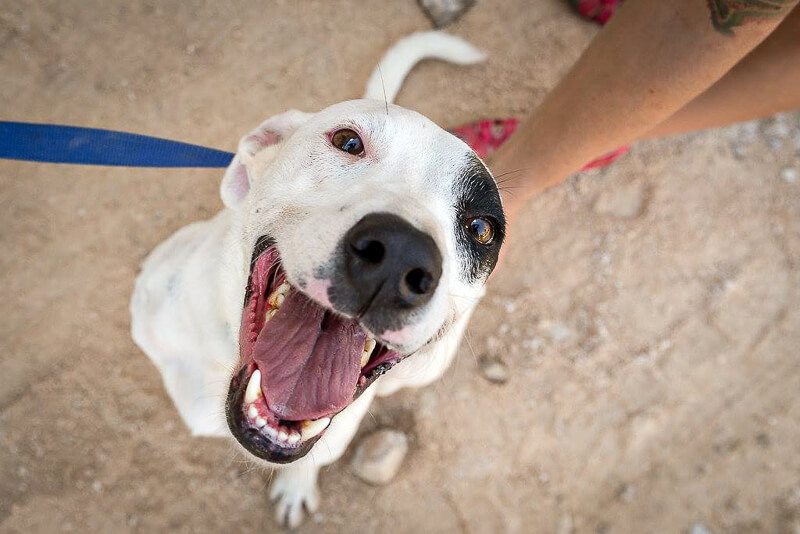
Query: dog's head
{"points": [[368, 232]]}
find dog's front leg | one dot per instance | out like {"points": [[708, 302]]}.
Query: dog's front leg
{"points": [[295, 485], [295, 488]]}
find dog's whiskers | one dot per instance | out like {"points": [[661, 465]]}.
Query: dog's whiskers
{"points": [[507, 173], [465, 297], [372, 415], [365, 308], [468, 336], [506, 190], [383, 86]]}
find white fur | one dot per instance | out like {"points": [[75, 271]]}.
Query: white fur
{"points": [[388, 76], [288, 182]]}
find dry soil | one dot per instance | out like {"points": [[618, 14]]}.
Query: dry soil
{"points": [[649, 315]]}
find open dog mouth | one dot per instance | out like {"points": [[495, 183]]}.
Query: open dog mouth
{"points": [[301, 364]]}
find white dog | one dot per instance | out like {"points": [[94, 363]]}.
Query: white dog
{"points": [[354, 244]]}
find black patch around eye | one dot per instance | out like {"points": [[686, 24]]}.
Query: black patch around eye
{"points": [[477, 197]]}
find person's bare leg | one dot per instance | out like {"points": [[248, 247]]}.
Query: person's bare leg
{"points": [[649, 62], [765, 82]]}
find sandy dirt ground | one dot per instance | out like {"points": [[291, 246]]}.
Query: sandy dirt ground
{"points": [[649, 315]]}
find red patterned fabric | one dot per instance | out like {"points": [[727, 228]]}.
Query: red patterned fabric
{"points": [[486, 136], [597, 10]]}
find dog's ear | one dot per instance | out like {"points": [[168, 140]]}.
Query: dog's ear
{"points": [[237, 179]]}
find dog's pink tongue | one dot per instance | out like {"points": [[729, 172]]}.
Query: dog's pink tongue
{"points": [[310, 360]]}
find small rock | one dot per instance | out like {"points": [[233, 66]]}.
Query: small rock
{"points": [[789, 175], [493, 370], [566, 525], [534, 344], [559, 332], [444, 12], [379, 456], [624, 202], [699, 528], [626, 492]]}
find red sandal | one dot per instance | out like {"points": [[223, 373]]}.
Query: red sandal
{"points": [[486, 136], [597, 10]]}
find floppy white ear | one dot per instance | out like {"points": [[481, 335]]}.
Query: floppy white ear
{"points": [[237, 179]]}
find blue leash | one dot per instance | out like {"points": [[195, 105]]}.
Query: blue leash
{"points": [[51, 143]]}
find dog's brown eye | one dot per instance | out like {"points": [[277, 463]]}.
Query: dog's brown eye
{"points": [[348, 141], [481, 229]]}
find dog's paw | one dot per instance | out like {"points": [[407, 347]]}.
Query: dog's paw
{"points": [[294, 494]]}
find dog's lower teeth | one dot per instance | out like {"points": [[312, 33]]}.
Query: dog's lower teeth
{"points": [[283, 435], [270, 314], [253, 392], [311, 429]]}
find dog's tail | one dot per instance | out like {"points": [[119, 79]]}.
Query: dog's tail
{"points": [[388, 76]]}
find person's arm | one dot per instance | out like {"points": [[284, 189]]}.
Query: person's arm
{"points": [[651, 59]]}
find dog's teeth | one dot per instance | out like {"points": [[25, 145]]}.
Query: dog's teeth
{"points": [[253, 392], [294, 438], [261, 422], [276, 299], [270, 432], [282, 435], [252, 412], [369, 346], [313, 428], [270, 314]]}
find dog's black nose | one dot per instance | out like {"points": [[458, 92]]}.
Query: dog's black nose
{"points": [[390, 264]]}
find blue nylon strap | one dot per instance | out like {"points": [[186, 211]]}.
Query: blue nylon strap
{"points": [[90, 146]]}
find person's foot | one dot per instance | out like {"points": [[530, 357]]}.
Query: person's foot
{"points": [[485, 136], [606, 159], [597, 10]]}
